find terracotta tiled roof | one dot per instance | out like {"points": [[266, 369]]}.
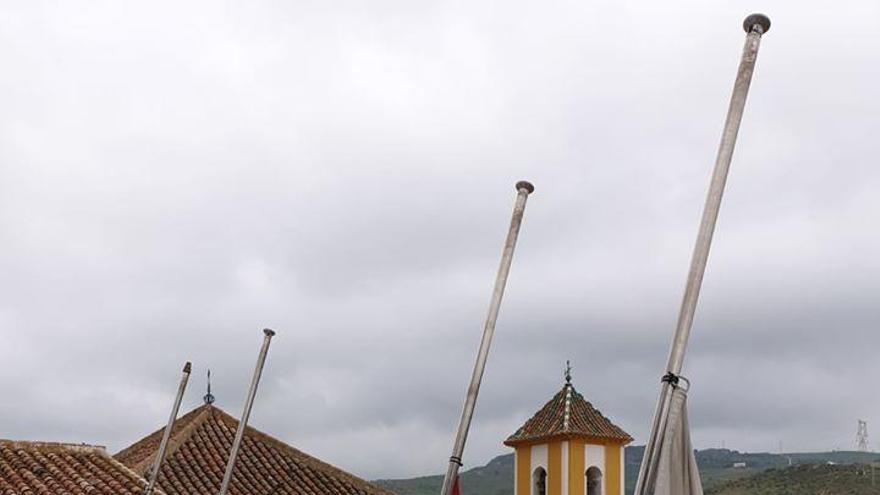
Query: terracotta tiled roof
{"points": [[199, 448], [568, 414], [33, 468]]}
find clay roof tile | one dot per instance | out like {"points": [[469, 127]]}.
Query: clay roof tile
{"points": [[199, 448], [566, 415], [64, 469]]}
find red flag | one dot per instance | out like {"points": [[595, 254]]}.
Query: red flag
{"points": [[455, 489]]}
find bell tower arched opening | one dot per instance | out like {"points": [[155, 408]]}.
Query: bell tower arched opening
{"points": [[594, 481], [539, 482]]}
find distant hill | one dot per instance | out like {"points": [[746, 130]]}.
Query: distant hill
{"points": [[812, 479], [495, 478], [716, 469], [716, 465]]}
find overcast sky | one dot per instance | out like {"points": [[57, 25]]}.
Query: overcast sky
{"points": [[175, 176]]}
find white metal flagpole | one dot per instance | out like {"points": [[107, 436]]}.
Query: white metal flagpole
{"points": [[248, 405], [163, 446], [523, 189], [755, 26]]}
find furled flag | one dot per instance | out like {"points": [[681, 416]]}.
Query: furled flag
{"points": [[677, 473]]}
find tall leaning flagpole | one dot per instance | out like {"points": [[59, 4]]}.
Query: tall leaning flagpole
{"points": [[755, 26], [523, 189], [246, 414], [163, 445]]}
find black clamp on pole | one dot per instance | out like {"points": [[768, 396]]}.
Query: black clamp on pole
{"points": [[670, 378]]}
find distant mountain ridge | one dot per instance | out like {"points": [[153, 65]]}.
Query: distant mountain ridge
{"points": [[495, 478], [806, 479], [716, 469]]}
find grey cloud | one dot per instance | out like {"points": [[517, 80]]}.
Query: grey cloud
{"points": [[176, 177]]}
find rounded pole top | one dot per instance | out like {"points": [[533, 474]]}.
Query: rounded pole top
{"points": [[268, 332], [187, 367], [524, 184], [759, 19]]}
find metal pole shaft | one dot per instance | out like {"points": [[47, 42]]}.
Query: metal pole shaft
{"points": [[523, 190], [248, 405], [755, 26], [713, 200], [163, 446]]}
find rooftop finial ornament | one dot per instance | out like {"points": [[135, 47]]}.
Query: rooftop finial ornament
{"points": [[209, 398], [567, 372]]}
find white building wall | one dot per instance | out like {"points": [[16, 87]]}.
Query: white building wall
{"points": [[539, 458], [594, 455], [515, 472], [565, 452]]}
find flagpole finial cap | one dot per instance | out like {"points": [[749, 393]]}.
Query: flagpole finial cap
{"points": [[187, 368], [268, 332], [524, 184], [757, 20]]}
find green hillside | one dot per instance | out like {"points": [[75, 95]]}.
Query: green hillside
{"points": [[716, 469], [807, 479], [495, 478]]}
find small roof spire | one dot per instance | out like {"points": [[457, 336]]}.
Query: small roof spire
{"points": [[209, 398], [566, 414], [567, 372]]}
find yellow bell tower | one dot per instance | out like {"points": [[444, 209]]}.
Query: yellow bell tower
{"points": [[568, 448]]}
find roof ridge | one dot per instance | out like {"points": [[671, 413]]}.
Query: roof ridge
{"points": [[300, 455], [567, 412], [75, 447], [183, 435], [140, 477], [141, 465]]}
